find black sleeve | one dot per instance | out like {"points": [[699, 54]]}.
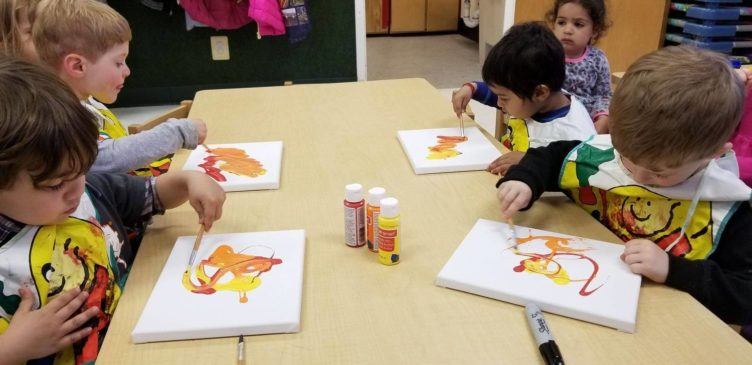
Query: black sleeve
{"points": [[540, 168], [722, 282], [125, 193]]}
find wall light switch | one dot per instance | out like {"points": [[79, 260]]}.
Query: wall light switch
{"points": [[220, 48]]}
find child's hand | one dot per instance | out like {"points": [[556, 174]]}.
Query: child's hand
{"points": [[503, 163], [647, 259], [37, 333], [206, 197], [201, 128], [460, 99], [601, 124], [514, 195]]}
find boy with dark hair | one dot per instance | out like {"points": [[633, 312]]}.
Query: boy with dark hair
{"points": [[523, 75], [63, 241]]}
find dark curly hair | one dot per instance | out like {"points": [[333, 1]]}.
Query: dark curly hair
{"points": [[596, 9]]}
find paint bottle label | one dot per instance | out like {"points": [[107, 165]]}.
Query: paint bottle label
{"points": [[389, 245], [355, 230], [372, 227]]}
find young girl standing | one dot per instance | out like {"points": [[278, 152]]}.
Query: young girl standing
{"points": [[578, 24]]}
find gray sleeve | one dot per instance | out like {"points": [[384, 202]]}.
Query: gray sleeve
{"points": [[602, 90], [128, 153]]}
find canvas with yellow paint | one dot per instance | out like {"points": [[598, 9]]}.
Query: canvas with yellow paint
{"points": [[239, 166], [571, 276], [447, 150], [243, 283]]}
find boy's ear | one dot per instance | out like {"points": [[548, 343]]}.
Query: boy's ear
{"points": [[541, 93], [74, 65], [725, 148]]}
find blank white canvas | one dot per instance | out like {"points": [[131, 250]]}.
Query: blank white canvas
{"points": [[484, 263], [476, 153], [269, 154], [175, 313]]}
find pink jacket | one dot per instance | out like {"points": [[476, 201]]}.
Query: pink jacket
{"points": [[268, 16], [218, 14], [742, 141]]}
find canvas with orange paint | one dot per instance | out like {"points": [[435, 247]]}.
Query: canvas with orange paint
{"points": [[447, 150], [242, 283], [239, 166], [571, 276]]}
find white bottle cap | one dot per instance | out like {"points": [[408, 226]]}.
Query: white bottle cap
{"points": [[354, 192], [389, 207], [375, 195]]}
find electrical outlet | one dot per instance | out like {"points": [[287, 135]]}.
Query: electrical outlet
{"points": [[220, 48]]}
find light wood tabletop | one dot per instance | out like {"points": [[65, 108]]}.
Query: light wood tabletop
{"points": [[357, 311]]}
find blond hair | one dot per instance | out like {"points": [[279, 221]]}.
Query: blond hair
{"points": [[85, 27], [675, 105], [10, 27], [44, 129]]}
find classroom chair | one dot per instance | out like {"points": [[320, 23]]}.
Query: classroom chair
{"points": [[178, 112]]}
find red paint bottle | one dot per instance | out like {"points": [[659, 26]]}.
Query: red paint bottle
{"points": [[355, 219]]}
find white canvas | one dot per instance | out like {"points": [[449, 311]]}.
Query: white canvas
{"points": [[268, 154], [174, 312], [475, 153], [484, 264]]}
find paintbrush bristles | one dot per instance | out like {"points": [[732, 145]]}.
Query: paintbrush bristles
{"points": [[199, 236]]}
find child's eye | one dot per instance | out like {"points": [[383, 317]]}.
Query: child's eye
{"points": [[55, 187], [561, 22]]}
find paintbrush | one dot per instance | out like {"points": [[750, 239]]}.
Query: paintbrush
{"points": [[207, 147], [513, 234], [241, 350], [462, 125], [195, 246]]}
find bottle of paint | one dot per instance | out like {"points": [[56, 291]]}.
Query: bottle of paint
{"points": [[355, 225], [373, 207], [389, 235]]}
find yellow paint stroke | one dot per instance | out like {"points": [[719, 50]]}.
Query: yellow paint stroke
{"points": [[444, 148], [545, 263], [244, 270]]}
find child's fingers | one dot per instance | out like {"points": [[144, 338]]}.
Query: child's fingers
{"points": [[72, 306], [517, 204], [506, 201], [27, 301], [74, 337], [64, 299], [630, 259], [79, 320], [637, 268]]}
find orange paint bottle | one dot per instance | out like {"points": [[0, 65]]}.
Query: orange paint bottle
{"points": [[373, 209]]}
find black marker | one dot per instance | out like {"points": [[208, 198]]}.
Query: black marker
{"points": [[542, 334]]}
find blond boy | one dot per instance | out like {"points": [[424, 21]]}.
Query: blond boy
{"points": [[665, 181], [86, 43]]}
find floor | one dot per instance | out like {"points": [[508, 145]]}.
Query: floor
{"points": [[446, 61]]}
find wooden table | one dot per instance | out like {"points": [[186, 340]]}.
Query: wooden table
{"points": [[356, 310]]}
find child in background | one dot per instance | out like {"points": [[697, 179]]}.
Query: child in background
{"points": [[86, 44], [523, 75], [65, 250], [578, 24], [16, 17], [662, 181]]}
